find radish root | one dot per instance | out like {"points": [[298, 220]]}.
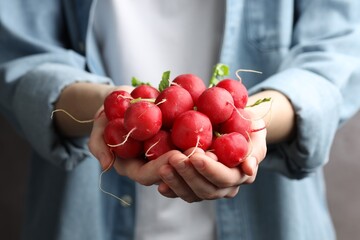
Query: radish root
{"points": [[257, 118], [196, 146], [147, 151], [162, 101], [267, 113], [71, 116], [251, 146], [122, 143], [106, 192], [108, 167], [245, 70]]}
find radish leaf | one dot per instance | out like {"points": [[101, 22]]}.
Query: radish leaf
{"points": [[259, 101], [136, 82], [164, 83], [220, 70]]}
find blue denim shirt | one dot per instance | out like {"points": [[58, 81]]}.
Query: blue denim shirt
{"points": [[308, 49]]}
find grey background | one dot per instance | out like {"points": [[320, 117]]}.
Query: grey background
{"points": [[342, 175]]}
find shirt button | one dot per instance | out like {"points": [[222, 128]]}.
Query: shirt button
{"points": [[126, 201]]}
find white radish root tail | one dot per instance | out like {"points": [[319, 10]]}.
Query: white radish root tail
{"points": [[106, 192], [125, 140], [196, 146], [267, 115], [71, 116], [237, 73], [149, 149], [250, 150], [162, 101], [261, 117]]}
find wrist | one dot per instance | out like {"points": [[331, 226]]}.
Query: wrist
{"points": [[81, 100], [279, 119]]}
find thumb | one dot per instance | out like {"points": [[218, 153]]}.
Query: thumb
{"points": [[97, 145]]}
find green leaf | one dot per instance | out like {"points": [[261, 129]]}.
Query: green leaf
{"points": [[220, 71], [259, 101], [164, 83], [136, 82]]}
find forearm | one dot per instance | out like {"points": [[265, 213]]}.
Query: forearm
{"points": [[81, 100], [279, 115]]}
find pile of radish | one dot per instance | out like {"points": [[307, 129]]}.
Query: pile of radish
{"points": [[180, 114]]}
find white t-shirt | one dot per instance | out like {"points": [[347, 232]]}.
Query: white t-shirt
{"points": [[142, 39]]}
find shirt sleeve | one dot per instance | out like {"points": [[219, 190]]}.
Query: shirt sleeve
{"points": [[36, 64], [321, 77]]}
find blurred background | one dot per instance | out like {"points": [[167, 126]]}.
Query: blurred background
{"points": [[342, 175]]}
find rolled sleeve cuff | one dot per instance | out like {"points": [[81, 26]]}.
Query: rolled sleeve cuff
{"points": [[34, 99], [316, 103]]}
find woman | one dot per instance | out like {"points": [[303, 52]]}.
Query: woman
{"points": [[64, 58]]}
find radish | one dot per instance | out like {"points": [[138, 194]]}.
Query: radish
{"points": [[144, 91], [237, 90], [173, 101], [192, 83], [142, 120], [216, 103], [180, 115], [116, 103], [231, 149], [115, 136], [158, 145], [192, 129], [239, 121]]}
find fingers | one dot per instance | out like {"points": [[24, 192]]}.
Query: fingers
{"points": [[193, 175], [249, 166], [145, 173], [258, 149], [192, 184], [97, 145], [216, 172], [166, 191], [177, 184]]}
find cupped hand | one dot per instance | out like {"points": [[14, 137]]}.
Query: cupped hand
{"points": [[201, 177], [137, 169], [194, 175]]}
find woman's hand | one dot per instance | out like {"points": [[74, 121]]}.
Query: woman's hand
{"points": [[202, 177], [194, 175], [194, 178], [139, 170]]}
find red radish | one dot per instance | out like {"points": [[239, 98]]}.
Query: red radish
{"points": [[192, 83], [173, 101], [116, 103], [216, 103], [144, 91], [192, 129], [237, 90], [142, 120], [231, 149], [158, 145], [239, 121], [123, 146]]}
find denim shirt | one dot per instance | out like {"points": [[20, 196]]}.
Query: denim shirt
{"points": [[309, 50]]}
